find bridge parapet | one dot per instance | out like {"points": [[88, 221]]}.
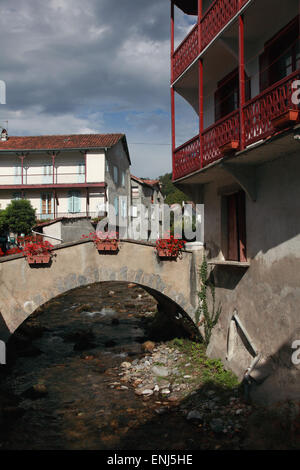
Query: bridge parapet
{"points": [[23, 288]]}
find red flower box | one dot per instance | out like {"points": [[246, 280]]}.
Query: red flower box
{"points": [[166, 253], [37, 252], [229, 147], [169, 248], [286, 118], [104, 241], [38, 259], [106, 245]]}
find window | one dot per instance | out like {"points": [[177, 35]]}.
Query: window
{"points": [[47, 174], [281, 55], [116, 174], [74, 202], [134, 192], [123, 179], [18, 174], [116, 205], [81, 173], [123, 207], [16, 196], [236, 227], [46, 205], [227, 96]]}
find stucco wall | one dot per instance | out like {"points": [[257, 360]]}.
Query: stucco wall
{"points": [[116, 157], [266, 295]]}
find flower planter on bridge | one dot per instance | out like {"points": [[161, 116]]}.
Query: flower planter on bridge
{"points": [[37, 252], [107, 245], [166, 253], [285, 119], [169, 248], [38, 259]]}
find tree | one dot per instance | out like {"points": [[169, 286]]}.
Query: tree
{"points": [[19, 216], [171, 193], [3, 223]]}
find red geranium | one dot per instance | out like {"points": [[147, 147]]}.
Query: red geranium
{"points": [[170, 245]]}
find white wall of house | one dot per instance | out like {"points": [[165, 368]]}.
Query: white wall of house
{"points": [[95, 163]]}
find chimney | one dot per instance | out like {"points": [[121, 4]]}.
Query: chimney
{"points": [[4, 135]]}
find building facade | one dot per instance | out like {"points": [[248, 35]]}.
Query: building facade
{"points": [[145, 191], [65, 175], [239, 68]]}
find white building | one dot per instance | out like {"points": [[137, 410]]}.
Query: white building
{"points": [[65, 175]]}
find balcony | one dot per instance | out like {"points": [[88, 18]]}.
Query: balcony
{"points": [[262, 118], [212, 22]]}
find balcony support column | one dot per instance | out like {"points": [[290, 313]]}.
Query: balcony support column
{"points": [[201, 126], [53, 167], [172, 89], [200, 84], [242, 79]]}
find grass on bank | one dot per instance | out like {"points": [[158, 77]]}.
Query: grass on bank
{"points": [[201, 369]]}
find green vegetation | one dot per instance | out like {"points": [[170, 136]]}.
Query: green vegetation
{"points": [[209, 319], [18, 217], [171, 193], [201, 369]]}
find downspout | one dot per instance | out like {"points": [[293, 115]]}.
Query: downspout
{"points": [[256, 358]]}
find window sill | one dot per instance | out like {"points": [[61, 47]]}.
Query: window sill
{"points": [[238, 264]]}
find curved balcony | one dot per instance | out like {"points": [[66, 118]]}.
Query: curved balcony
{"points": [[213, 21], [186, 52], [186, 158], [262, 117], [222, 133]]}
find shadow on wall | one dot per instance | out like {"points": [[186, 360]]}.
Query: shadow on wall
{"points": [[226, 277]]}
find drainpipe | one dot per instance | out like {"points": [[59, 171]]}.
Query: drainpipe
{"points": [[256, 358]]}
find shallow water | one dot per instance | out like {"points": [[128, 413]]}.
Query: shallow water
{"points": [[87, 333]]}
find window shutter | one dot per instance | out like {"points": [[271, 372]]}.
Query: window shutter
{"points": [[116, 205], [70, 202], [77, 201]]}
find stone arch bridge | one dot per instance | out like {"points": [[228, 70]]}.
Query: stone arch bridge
{"points": [[23, 288]]}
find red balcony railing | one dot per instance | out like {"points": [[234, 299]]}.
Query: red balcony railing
{"points": [[186, 158], [258, 116], [271, 103], [216, 17], [186, 52], [221, 133]]}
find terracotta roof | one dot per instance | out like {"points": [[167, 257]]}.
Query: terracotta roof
{"points": [[57, 142], [145, 181]]}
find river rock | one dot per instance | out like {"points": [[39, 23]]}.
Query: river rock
{"points": [[161, 371], [217, 425], [148, 346], [147, 391], [194, 414], [36, 391], [126, 365]]}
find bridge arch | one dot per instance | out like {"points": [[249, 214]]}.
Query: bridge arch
{"points": [[23, 288]]}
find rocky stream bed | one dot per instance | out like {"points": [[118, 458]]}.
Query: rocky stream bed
{"points": [[95, 369]]}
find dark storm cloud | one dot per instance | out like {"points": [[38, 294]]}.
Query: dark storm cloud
{"points": [[90, 66], [65, 53]]}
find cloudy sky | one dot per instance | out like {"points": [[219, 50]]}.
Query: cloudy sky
{"points": [[73, 66]]}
